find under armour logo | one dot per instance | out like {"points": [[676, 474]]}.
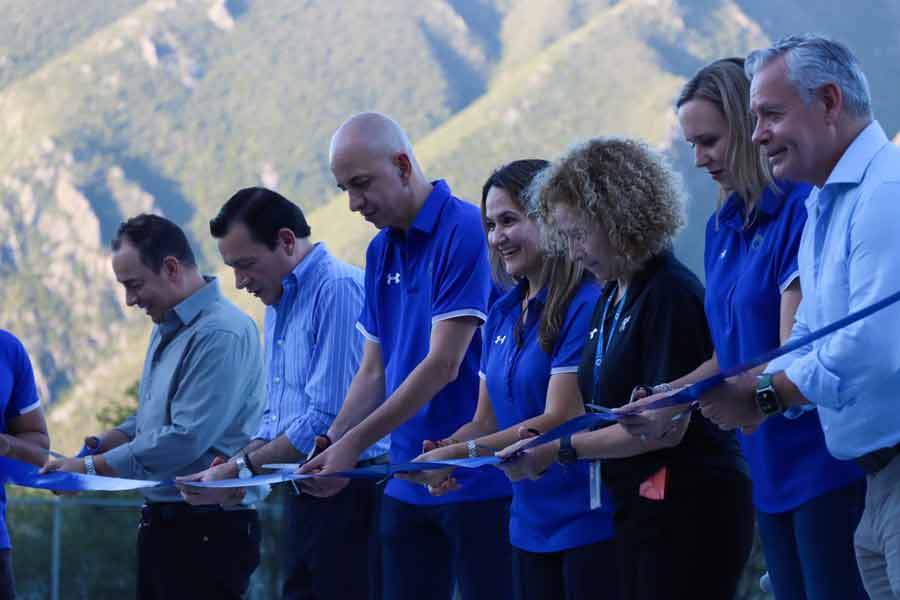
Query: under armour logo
{"points": [[592, 333], [500, 339], [393, 278], [757, 242], [624, 323], [724, 252]]}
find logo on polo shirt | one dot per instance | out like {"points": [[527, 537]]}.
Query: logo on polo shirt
{"points": [[724, 252], [393, 278], [757, 242], [500, 339], [592, 333], [624, 323]]}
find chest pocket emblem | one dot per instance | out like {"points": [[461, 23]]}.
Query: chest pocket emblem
{"points": [[393, 278], [624, 323], [592, 333], [500, 339], [757, 242]]}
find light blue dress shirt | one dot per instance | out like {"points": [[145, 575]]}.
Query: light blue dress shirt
{"points": [[312, 350], [201, 393], [849, 258]]}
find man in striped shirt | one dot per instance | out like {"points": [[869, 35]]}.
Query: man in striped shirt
{"points": [[312, 352]]}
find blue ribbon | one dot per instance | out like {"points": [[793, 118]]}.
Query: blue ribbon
{"points": [[26, 475], [693, 392]]}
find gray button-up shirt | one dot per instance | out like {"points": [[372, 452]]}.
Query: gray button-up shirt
{"points": [[201, 392]]}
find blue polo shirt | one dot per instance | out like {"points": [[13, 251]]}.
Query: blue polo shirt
{"points": [[18, 395], [746, 272], [437, 270], [552, 513]]}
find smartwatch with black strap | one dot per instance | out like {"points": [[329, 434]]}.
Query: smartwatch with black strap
{"points": [[767, 399], [567, 455]]}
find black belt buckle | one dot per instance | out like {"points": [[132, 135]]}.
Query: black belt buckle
{"points": [[876, 460]]}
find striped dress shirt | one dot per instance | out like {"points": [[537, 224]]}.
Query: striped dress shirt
{"points": [[312, 350]]}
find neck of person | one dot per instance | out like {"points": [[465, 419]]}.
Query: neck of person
{"points": [[193, 282], [302, 247], [848, 131], [421, 188]]}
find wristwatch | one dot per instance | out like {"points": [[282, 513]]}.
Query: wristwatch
{"points": [[566, 455], [89, 467], [244, 471], [766, 397]]}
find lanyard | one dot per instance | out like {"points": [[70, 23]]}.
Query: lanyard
{"points": [[601, 347]]}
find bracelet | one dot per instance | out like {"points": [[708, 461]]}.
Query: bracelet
{"points": [[661, 388], [472, 449], [89, 467]]}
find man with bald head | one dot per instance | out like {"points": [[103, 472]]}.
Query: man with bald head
{"points": [[427, 291]]}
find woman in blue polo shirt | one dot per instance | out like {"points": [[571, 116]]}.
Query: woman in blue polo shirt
{"points": [[533, 340], [683, 515], [808, 503]]}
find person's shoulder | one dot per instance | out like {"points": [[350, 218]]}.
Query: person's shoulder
{"points": [[672, 282], [588, 293], [10, 345], [224, 318]]}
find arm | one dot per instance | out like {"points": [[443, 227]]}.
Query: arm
{"points": [[448, 344], [26, 438], [366, 392], [450, 339]]}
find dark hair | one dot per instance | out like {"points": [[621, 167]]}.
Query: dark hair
{"points": [[561, 276], [155, 238], [263, 212]]}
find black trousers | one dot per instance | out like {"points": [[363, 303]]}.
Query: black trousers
{"points": [[331, 548], [196, 553], [691, 545], [7, 583], [588, 572]]}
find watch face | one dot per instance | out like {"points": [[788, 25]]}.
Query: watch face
{"points": [[767, 401]]}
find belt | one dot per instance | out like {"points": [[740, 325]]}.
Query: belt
{"points": [[876, 460], [161, 512], [381, 459]]}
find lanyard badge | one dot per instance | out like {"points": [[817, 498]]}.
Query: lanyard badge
{"points": [[595, 470]]}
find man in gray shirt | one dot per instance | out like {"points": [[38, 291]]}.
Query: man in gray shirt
{"points": [[201, 397]]}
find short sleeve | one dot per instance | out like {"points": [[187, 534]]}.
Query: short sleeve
{"points": [[464, 283], [574, 332], [368, 318], [789, 244], [23, 396]]}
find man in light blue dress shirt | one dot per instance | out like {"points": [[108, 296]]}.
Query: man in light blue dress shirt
{"points": [[814, 120], [312, 351], [201, 397]]}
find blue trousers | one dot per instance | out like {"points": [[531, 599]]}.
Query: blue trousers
{"points": [[809, 550], [7, 583], [330, 544], [426, 549], [588, 572]]}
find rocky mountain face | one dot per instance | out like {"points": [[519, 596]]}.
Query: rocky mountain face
{"points": [[110, 109]]}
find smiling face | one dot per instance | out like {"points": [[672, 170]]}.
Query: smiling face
{"points": [[154, 293], [587, 241], [512, 235], [257, 268], [793, 134], [706, 130]]}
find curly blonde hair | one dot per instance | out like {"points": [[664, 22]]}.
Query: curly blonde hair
{"points": [[621, 185]]}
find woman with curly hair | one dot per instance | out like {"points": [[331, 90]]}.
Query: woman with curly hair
{"points": [[533, 339], [682, 513]]}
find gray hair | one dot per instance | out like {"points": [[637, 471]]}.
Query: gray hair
{"points": [[813, 61]]}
